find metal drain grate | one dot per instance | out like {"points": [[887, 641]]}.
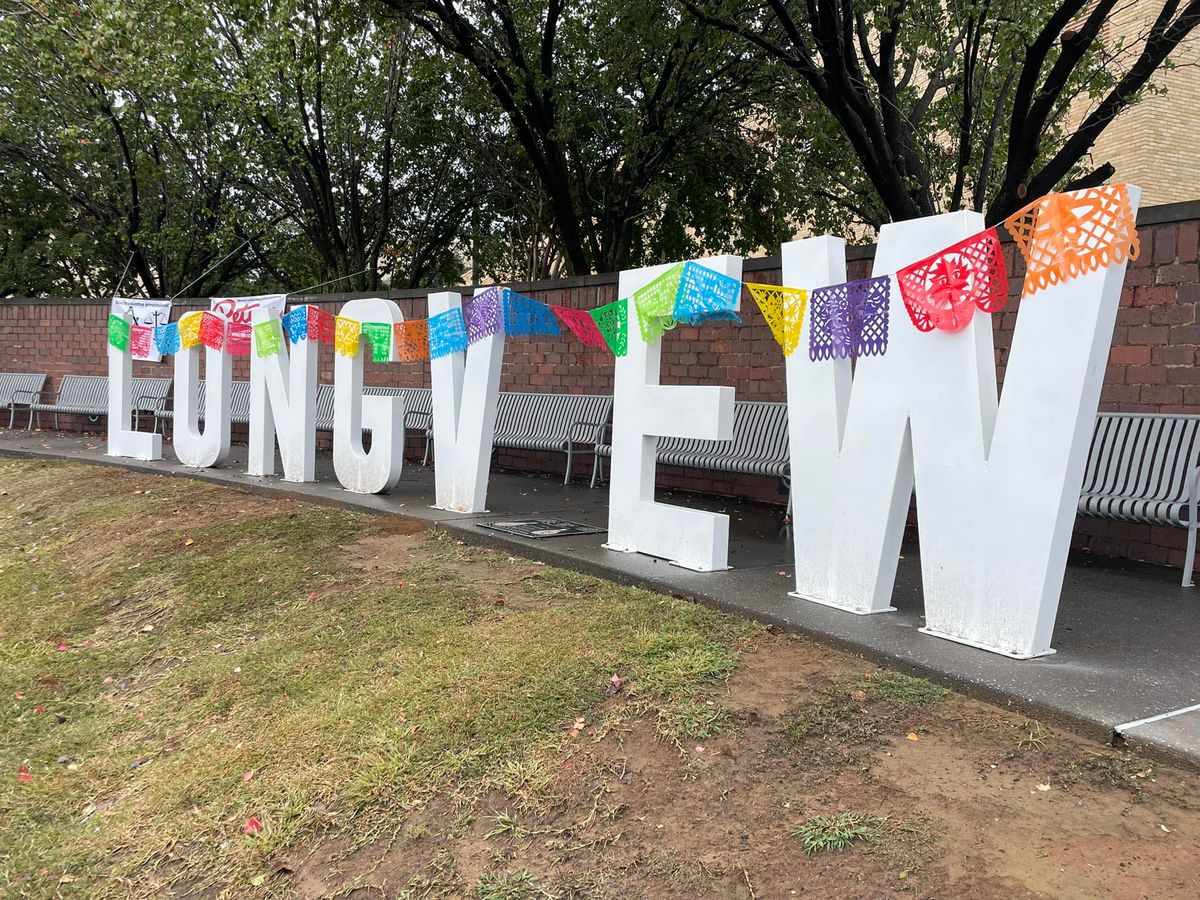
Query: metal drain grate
{"points": [[541, 528]]}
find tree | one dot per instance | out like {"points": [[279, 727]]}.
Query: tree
{"points": [[352, 135], [92, 147], [241, 145], [946, 104], [613, 104]]}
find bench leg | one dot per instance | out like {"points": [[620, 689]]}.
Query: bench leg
{"points": [[428, 447], [597, 470], [1189, 560], [567, 475]]}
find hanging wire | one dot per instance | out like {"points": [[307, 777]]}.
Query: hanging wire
{"points": [[124, 273], [311, 287], [213, 266]]}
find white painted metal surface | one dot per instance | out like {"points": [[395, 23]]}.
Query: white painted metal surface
{"points": [[378, 469], [122, 439], [644, 410], [283, 405], [997, 479], [196, 445], [466, 392]]}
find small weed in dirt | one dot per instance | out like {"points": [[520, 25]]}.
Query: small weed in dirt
{"points": [[833, 719], [693, 719], [1031, 737], [901, 690], [506, 824], [1123, 771], [837, 832], [520, 884]]}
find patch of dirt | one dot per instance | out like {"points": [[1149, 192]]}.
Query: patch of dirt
{"points": [[974, 801], [386, 553]]}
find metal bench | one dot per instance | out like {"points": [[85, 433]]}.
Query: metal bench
{"points": [[87, 395], [1145, 467], [418, 406], [759, 445], [23, 384], [418, 403], [239, 405], [567, 423], [563, 423], [418, 411]]}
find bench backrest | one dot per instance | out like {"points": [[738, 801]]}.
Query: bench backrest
{"points": [[760, 432], [147, 392], [89, 393], [239, 402], [1144, 455], [548, 415], [11, 382], [83, 392], [416, 400], [325, 407]]}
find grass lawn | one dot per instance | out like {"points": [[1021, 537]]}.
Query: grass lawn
{"points": [[205, 692]]}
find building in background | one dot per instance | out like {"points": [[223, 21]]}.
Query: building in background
{"points": [[1156, 143]]}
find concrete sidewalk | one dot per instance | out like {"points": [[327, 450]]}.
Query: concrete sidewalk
{"points": [[1127, 635]]}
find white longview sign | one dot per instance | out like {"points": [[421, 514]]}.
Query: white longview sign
{"points": [[996, 476], [196, 445], [283, 405], [466, 395], [378, 469], [643, 411], [123, 440]]}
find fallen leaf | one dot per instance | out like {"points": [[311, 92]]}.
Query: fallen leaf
{"points": [[858, 696], [189, 542], [63, 647], [259, 879], [613, 686], [499, 601], [913, 736], [1043, 787], [1165, 828], [23, 773], [19, 695], [66, 879], [147, 628], [39, 709], [248, 775], [253, 825]]}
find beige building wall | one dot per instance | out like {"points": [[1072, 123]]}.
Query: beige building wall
{"points": [[1156, 144]]}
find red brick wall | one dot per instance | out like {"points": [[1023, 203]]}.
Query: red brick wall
{"points": [[1151, 367]]}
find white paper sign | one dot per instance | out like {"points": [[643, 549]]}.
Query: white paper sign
{"points": [[239, 311], [148, 313]]}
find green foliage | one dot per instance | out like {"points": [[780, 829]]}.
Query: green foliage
{"points": [[520, 884], [837, 832], [901, 690]]}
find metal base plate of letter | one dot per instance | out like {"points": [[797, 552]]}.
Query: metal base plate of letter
{"points": [[541, 528]]}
